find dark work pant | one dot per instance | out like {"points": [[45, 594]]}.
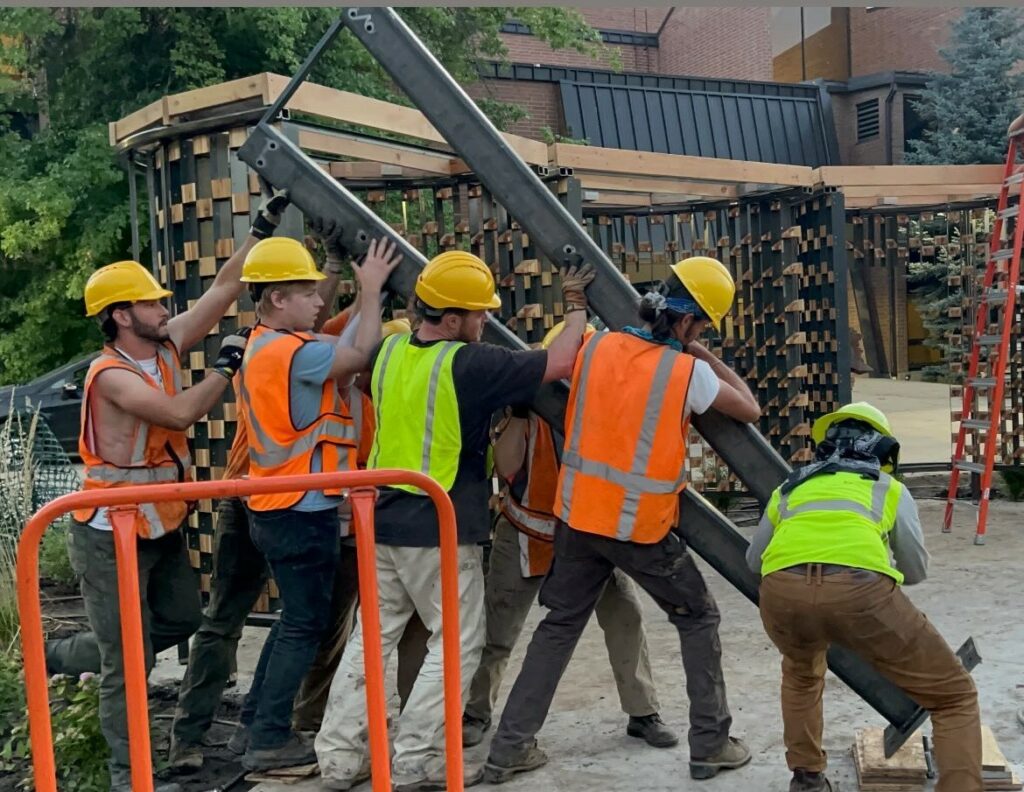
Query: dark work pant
{"points": [[239, 576], [582, 565], [170, 603], [302, 549]]}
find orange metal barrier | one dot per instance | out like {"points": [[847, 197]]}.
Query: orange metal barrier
{"points": [[123, 501]]}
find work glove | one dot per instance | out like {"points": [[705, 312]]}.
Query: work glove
{"points": [[232, 350], [268, 216], [329, 233], [576, 275]]}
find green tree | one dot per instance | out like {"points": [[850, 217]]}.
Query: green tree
{"points": [[969, 110], [66, 72]]}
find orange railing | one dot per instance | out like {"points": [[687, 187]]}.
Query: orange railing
{"points": [[123, 501]]}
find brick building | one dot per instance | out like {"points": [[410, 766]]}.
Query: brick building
{"points": [[868, 64]]}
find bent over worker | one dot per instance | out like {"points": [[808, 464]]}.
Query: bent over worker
{"points": [[434, 393], [618, 499], [525, 455], [823, 548], [297, 424], [134, 419]]}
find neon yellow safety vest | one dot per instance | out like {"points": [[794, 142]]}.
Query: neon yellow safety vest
{"points": [[841, 518], [417, 410]]}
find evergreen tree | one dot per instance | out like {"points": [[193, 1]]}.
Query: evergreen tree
{"points": [[969, 110], [66, 72]]}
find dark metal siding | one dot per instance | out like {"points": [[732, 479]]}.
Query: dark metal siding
{"points": [[760, 127]]}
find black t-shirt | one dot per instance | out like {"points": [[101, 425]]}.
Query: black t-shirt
{"points": [[487, 378]]}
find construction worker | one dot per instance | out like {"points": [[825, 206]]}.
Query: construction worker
{"points": [[240, 575], [617, 500], [823, 549], [297, 424], [526, 457], [133, 431], [434, 393]]}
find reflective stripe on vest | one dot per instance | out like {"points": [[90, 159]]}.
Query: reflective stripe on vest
{"points": [[276, 446], [530, 501], [637, 482], [158, 455], [430, 442], [838, 518]]}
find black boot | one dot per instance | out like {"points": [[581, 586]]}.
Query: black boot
{"points": [[806, 781], [652, 729]]}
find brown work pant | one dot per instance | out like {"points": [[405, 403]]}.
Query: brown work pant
{"points": [[868, 614]]}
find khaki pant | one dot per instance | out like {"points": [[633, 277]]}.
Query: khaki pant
{"points": [[409, 581], [508, 599], [868, 614]]}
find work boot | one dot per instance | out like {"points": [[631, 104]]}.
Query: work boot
{"points": [[732, 755], [239, 742], [185, 757], [293, 753], [121, 781], [652, 729], [430, 784], [473, 730], [806, 781], [501, 767]]}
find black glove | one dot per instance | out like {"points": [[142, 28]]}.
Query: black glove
{"points": [[232, 350], [329, 233], [268, 216]]}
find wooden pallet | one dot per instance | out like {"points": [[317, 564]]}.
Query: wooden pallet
{"points": [[997, 773], [905, 771]]}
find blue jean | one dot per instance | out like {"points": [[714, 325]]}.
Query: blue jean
{"points": [[302, 549]]}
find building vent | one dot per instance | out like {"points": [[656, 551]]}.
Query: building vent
{"points": [[867, 120]]}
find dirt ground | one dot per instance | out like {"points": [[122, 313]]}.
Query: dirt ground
{"points": [[972, 591]]}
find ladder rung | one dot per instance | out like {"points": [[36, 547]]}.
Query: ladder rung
{"points": [[989, 340], [1003, 254], [981, 382], [970, 467], [1008, 212], [1016, 178], [975, 423], [994, 296]]}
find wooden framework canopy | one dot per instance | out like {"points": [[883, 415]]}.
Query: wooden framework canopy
{"points": [[609, 177]]}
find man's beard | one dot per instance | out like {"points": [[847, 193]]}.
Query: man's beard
{"points": [[157, 334]]}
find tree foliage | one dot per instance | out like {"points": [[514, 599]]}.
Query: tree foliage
{"points": [[968, 111], [66, 72]]}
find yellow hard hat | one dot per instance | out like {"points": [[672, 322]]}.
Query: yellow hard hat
{"points": [[456, 279], [395, 327], [278, 259], [709, 283], [859, 411], [123, 281], [556, 331]]}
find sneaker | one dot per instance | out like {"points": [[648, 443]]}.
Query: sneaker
{"points": [[500, 769], [185, 757], [732, 755], [473, 730], [346, 783], [652, 729], [239, 742], [470, 778], [806, 781], [293, 753]]}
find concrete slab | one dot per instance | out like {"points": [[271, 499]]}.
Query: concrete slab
{"points": [[972, 591]]}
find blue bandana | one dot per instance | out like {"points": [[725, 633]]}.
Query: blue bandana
{"points": [[639, 332]]}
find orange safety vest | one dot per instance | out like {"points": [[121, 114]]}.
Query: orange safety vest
{"points": [[276, 446], [158, 454], [365, 424], [623, 466], [529, 503]]}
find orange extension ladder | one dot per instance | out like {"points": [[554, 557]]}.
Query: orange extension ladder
{"points": [[992, 332], [123, 502]]}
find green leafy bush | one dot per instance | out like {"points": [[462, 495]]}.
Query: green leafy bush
{"points": [[54, 562]]}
